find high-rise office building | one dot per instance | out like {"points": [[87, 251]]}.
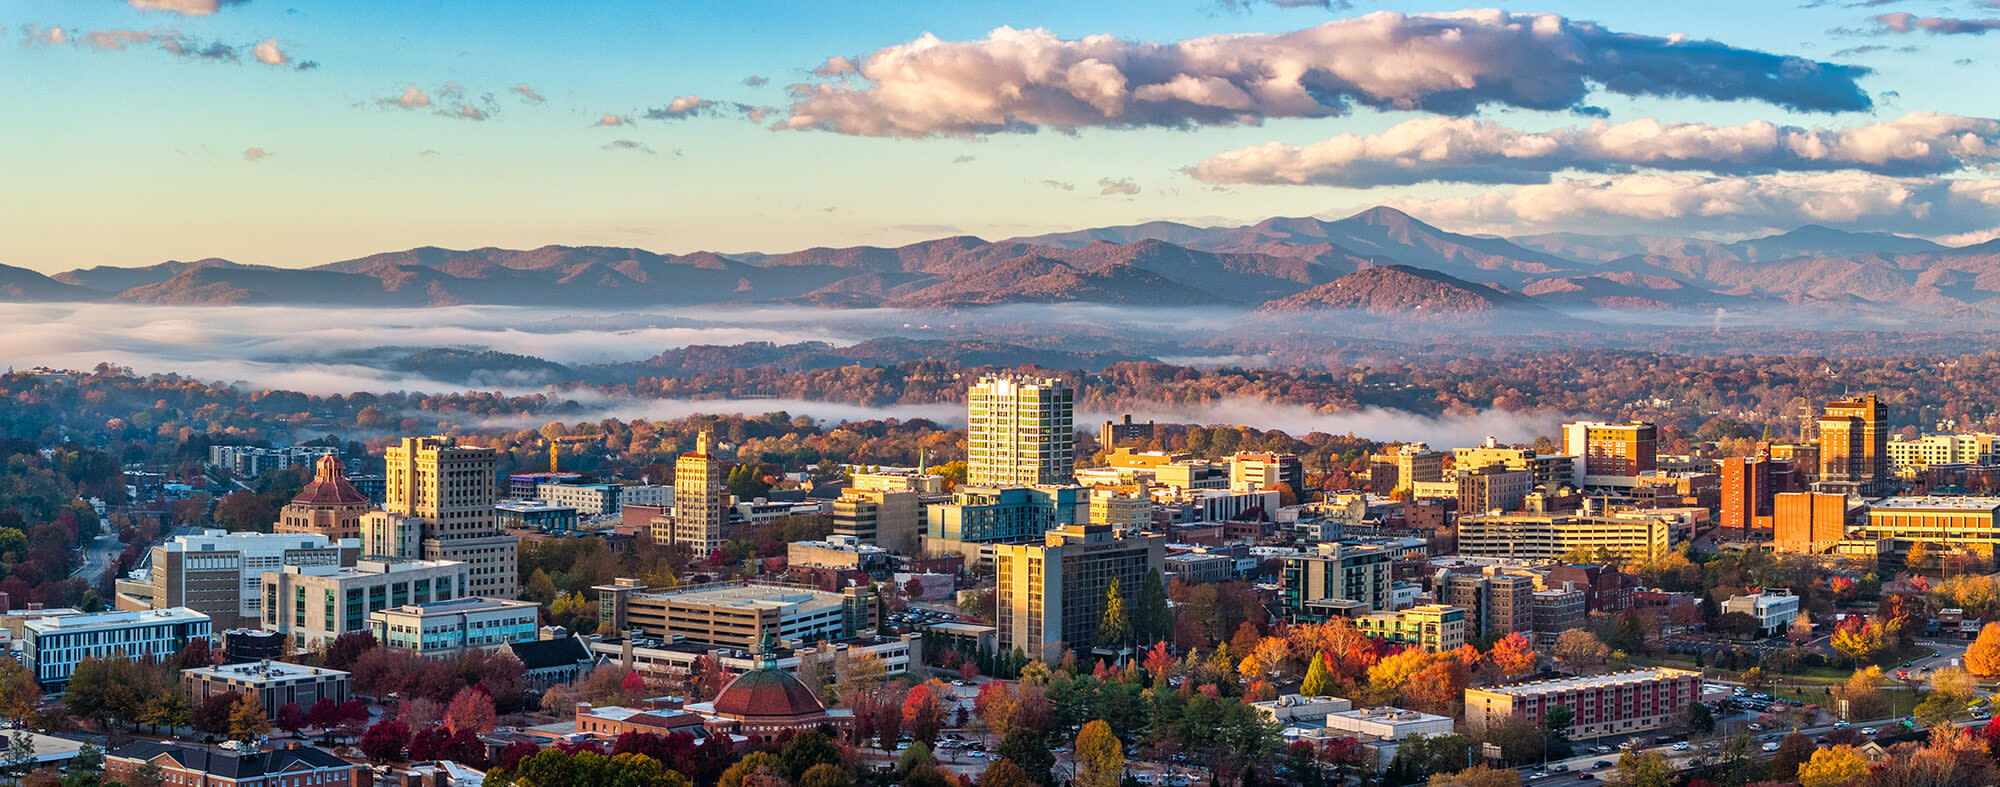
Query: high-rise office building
{"points": [[1251, 472], [329, 506], [701, 501], [1496, 602], [1401, 471], [1051, 594], [1611, 454], [1854, 442], [451, 488], [1020, 432]]}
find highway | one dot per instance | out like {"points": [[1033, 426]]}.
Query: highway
{"points": [[99, 555]]}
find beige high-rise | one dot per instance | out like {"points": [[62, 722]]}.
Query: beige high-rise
{"points": [[1020, 432], [451, 488], [701, 501]]}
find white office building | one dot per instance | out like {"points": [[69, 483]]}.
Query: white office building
{"points": [[1774, 609]]}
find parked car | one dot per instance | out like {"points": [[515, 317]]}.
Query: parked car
{"points": [[1682, 746]]}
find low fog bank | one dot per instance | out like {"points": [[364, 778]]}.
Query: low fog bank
{"points": [[1377, 423]]}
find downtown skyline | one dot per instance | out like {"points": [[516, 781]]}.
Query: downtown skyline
{"points": [[302, 133]]}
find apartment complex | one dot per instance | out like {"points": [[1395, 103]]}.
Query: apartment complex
{"points": [[1051, 594], [53, 646], [1611, 455], [1910, 456], [1492, 488], [1520, 537], [890, 519], [1557, 610], [1020, 431], [1433, 627], [738, 614], [1956, 522], [315, 604], [701, 501], [1619, 702], [1553, 471], [451, 488], [536, 515], [1854, 442], [587, 499], [451, 628], [1495, 602], [1336, 572], [1747, 496], [329, 506], [276, 683], [219, 573]]}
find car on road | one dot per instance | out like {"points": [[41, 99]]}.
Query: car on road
{"points": [[1600, 765], [1868, 731], [1601, 749], [1682, 746], [1771, 746], [1840, 725], [1560, 768], [1539, 775], [1584, 776]]}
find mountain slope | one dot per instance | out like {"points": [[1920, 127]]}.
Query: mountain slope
{"points": [[1399, 289], [21, 284]]}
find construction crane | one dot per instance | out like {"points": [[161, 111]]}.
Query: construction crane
{"points": [[555, 448]]}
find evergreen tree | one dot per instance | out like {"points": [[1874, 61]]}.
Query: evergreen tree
{"points": [[1319, 682], [1153, 621], [1114, 628]]}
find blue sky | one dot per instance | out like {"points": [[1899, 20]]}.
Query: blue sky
{"points": [[137, 156]]}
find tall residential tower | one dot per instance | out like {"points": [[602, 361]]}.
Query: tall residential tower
{"points": [[1020, 432], [701, 501]]}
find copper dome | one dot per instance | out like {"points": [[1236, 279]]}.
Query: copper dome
{"points": [[329, 486], [767, 692]]}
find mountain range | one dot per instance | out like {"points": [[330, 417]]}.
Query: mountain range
{"points": [[1380, 260]]}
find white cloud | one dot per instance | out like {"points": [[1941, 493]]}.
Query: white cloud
{"points": [[611, 120], [184, 7], [268, 53], [413, 98], [1684, 203], [1025, 80], [1906, 22], [254, 154], [1117, 186], [527, 94], [1466, 150], [1375, 423], [682, 107]]}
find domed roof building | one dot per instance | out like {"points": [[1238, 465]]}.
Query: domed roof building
{"points": [[766, 702], [329, 505]]}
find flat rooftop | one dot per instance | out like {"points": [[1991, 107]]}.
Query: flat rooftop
{"points": [[1939, 503], [746, 596], [458, 605], [262, 670], [1589, 681], [116, 619]]}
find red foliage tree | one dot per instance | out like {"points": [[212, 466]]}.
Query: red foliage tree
{"points": [[384, 742], [290, 718], [429, 743]]}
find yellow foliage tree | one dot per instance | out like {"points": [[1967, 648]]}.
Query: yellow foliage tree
{"points": [[1100, 759], [1832, 767], [1983, 658]]}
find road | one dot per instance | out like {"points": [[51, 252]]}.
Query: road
{"points": [[101, 554]]}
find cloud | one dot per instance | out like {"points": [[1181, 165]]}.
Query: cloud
{"points": [[254, 154], [1453, 64], [1245, 5], [612, 120], [1464, 150], [1685, 203], [428, 152], [756, 81], [1906, 22], [413, 98], [268, 53], [1058, 184], [448, 100], [628, 144], [754, 113], [183, 7], [963, 159], [1109, 186], [527, 94], [837, 66], [1376, 423], [682, 107], [169, 41]]}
